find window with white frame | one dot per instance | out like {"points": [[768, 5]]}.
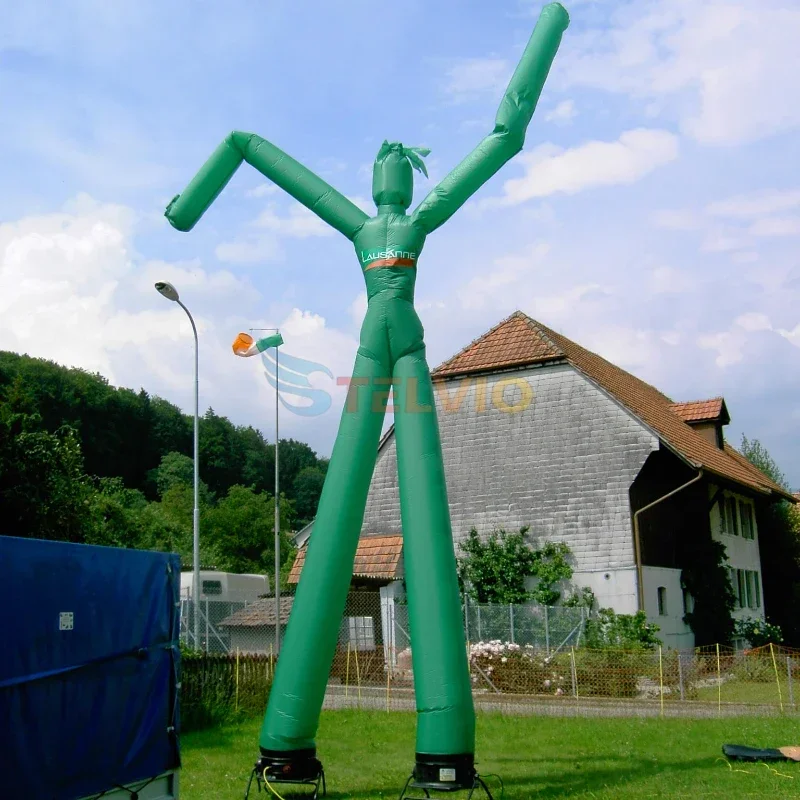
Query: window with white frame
{"points": [[361, 633], [747, 520], [753, 589], [730, 516]]}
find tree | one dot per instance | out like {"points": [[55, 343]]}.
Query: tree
{"points": [[779, 547], [307, 489], [241, 530], [494, 571], [550, 567], [44, 492]]}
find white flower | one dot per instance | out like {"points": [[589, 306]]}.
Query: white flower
{"points": [[504, 659]]}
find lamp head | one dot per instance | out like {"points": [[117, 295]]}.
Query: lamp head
{"points": [[167, 290]]}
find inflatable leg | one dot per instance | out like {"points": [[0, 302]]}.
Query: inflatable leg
{"points": [[446, 717], [305, 659]]}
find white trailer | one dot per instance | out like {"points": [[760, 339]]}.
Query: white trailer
{"points": [[225, 587]]}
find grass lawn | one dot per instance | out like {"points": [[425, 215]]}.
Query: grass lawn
{"points": [[368, 754]]}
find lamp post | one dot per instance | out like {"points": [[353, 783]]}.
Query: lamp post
{"points": [[246, 346], [171, 293]]}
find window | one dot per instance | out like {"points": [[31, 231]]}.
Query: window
{"points": [[742, 588], [753, 589], [662, 601], [212, 587], [734, 586], [361, 632], [688, 602], [746, 518], [730, 517]]}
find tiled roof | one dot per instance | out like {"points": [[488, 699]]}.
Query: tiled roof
{"points": [[702, 411], [521, 341], [377, 557], [511, 343], [259, 612]]}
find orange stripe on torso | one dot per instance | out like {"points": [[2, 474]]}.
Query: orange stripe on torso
{"points": [[391, 262]]}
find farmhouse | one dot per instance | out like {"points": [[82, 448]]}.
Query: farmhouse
{"points": [[538, 431]]}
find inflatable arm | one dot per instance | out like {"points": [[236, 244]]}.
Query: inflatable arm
{"points": [[511, 122], [299, 181]]}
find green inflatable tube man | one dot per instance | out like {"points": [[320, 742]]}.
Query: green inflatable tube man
{"points": [[391, 354]]}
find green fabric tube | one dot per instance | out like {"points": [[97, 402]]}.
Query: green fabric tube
{"points": [[299, 181], [506, 140], [307, 651], [391, 351], [446, 717]]}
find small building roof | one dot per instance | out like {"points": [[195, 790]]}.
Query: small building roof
{"points": [[520, 341], [377, 557], [259, 613], [695, 411]]}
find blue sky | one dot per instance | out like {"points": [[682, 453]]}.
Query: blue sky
{"points": [[654, 216]]}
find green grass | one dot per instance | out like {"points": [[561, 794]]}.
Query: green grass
{"points": [[734, 691], [369, 755]]}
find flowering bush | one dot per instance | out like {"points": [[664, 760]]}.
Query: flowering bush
{"points": [[758, 632], [517, 669]]}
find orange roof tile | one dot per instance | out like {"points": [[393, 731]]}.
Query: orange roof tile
{"points": [[259, 612], [521, 341], [702, 410], [376, 557]]}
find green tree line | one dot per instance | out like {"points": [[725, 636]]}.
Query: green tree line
{"points": [[84, 461]]}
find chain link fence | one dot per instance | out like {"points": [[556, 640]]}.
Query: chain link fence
{"points": [[523, 659]]}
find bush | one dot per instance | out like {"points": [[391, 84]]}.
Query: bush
{"points": [[208, 692], [514, 669], [610, 673], [758, 632], [621, 631]]}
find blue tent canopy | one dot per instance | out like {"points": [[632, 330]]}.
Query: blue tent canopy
{"points": [[88, 667]]}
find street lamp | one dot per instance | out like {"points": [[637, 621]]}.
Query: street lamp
{"points": [[246, 346], [171, 293]]}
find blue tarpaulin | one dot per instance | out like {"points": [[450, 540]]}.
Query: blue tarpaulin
{"points": [[89, 660]]}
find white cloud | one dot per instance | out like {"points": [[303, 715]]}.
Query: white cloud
{"points": [[776, 226], [756, 204], [677, 220], [300, 223], [471, 76], [726, 69], [723, 240], [506, 271], [262, 190], [562, 114], [72, 289], [666, 280], [250, 250], [551, 169], [254, 247], [730, 345]]}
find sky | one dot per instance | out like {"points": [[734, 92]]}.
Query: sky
{"points": [[653, 216]]}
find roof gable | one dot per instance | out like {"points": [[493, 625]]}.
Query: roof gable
{"points": [[513, 342], [695, 411], [377, 557], [520, 341]]}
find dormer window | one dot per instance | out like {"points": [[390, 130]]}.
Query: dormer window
{"points": [[707, 417]]}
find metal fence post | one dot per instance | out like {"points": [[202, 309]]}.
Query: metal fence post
{"points": [[208, 638], [511, 620], [574, 673], [680, 675], [480, 638], [789, 676], [466, 616], [547, 630]]}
